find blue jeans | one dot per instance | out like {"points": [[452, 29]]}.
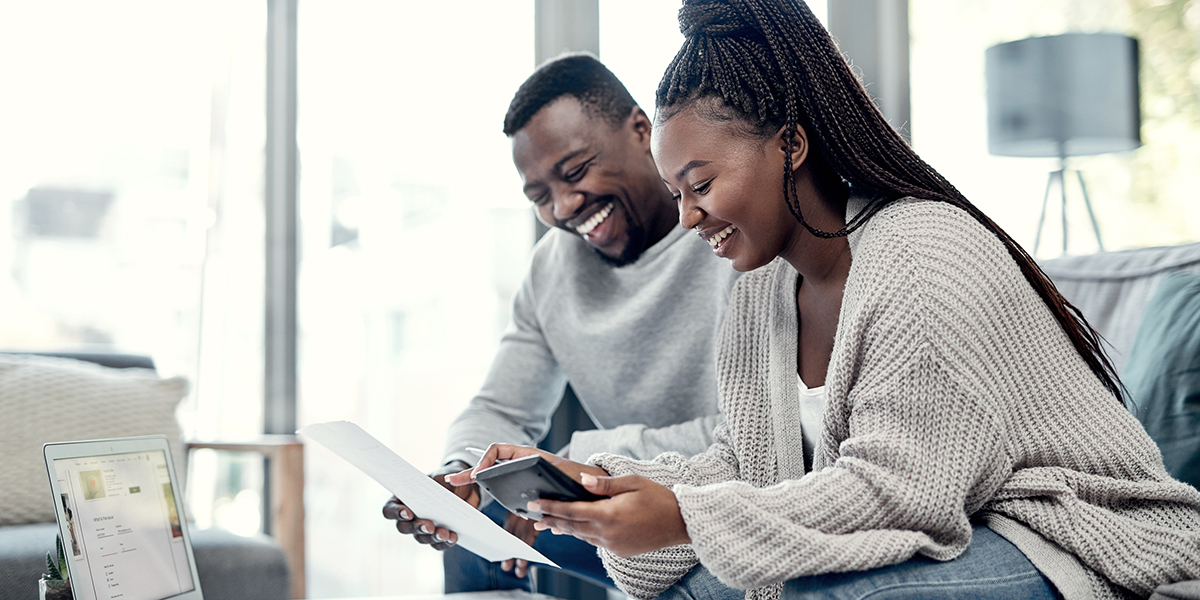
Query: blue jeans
{"points": [[991, 568], [466, 572]]}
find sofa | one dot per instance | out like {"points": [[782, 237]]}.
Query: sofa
{"points": [[84, 396], [1146, 305]]}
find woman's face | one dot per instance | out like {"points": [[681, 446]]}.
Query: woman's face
{"points": [[729, 187]]}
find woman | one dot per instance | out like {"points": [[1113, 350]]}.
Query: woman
{"points": [[900, 381]]}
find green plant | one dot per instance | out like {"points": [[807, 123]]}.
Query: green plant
{"points": [[57, 577]]}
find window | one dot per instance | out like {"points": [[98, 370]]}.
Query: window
{"points": [[131, 194], [1142, 198], [414, 236]]}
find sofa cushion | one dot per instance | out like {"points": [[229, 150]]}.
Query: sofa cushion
{"points": [[1112, 288], [1163, 374], [231, 567], [46, 399]]}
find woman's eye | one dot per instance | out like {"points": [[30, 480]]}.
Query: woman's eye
{"points": [[703, 187]]}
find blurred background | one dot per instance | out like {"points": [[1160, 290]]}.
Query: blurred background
{"points": [[132, 218]]}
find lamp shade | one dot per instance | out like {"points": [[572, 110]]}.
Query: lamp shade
{"points": [[1074, 94]]}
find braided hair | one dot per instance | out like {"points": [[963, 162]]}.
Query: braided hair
{"points": [[773, 65]]}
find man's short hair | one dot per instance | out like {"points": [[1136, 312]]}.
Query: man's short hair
{"points": [[581, 75]]}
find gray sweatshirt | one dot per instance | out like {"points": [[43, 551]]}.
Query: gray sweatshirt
{"points": [[636, 344]]}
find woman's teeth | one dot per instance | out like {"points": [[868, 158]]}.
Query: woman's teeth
{"points": [[721, 235], [595, 220]]}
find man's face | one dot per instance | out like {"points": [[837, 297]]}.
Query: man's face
{"points": [[596, 180]]}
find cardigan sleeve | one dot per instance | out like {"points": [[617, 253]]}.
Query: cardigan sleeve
{"points": [[647, 575]]}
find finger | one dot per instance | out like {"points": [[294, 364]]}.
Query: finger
{"points": [[575, 511], [460, 478], [610, 486], [397, 512], [506, 565], [424, 531], [522, 567], [406, 527], [445, 536], [555, 525], [488, 459]]}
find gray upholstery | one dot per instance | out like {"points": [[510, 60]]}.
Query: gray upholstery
{"points": [[231, 567], [1112, 288]]}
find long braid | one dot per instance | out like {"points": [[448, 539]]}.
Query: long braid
{"points": [[774, 65]]}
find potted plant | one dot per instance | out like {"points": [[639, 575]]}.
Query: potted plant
{"points": [[56, 583]]}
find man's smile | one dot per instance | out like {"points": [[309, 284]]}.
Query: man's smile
{"points": [[595, 219]]}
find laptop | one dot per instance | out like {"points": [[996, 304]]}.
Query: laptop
{"points": [[121, 519]]}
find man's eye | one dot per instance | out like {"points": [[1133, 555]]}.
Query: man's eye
{"points": [[576, 174], [540, 200]]}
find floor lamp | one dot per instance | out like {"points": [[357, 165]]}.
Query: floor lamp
{"points": [[1066, 95]]}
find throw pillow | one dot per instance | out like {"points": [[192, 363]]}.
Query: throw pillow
{"points": [[44, 399], [1163, 373]]}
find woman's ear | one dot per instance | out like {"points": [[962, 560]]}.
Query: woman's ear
{"points": [[799, 145]]}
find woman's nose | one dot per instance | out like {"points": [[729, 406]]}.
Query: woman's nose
{"points": [[690, 215]]}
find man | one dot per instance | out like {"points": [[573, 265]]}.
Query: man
{"points": [[619, 302]]}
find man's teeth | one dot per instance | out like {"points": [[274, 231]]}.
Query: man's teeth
{"points": [[595, 220], [724, 233]]}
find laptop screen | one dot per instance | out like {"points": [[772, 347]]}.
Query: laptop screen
{"points": [[124, 525]]}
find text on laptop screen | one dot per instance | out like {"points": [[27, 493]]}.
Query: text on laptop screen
{"points": [[124, 525]]}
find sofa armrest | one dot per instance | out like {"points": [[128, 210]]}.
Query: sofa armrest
{"points": [[285, 460]]}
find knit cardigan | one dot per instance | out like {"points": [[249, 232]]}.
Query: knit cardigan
{"points": [[952, 393]]}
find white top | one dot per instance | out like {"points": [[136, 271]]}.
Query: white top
{"points": [[812, 406]]}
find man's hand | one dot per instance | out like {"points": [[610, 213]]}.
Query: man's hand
{"points": [[423, 530], [523, 529], [640, 516]]}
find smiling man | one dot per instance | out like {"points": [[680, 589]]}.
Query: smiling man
{"points": [[619, 302]]}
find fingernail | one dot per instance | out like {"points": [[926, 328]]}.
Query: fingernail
{"points": [[534, 505], [588, 480], [425, 529], [443, 539], [404, 514]]}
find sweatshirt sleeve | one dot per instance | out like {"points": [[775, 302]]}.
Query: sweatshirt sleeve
{"points": [[523, 387], [639, 441]]}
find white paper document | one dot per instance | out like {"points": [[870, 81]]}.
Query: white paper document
{"points": [[426, 497]]}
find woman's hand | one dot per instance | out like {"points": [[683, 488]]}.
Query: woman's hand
{"points": [[498, 452], [641, 516]]}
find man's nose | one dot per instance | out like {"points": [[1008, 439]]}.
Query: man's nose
{"points": [[567, 204]]}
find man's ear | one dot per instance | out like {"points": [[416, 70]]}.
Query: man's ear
{"points": [[640, 125], [799, 145]]}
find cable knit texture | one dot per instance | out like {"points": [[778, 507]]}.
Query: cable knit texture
{"points": [[952, 392]]}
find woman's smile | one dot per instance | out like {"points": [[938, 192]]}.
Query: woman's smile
{"points": [[719, 238]]}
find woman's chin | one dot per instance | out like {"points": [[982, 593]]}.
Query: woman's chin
{"points": [[743, 264]]}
